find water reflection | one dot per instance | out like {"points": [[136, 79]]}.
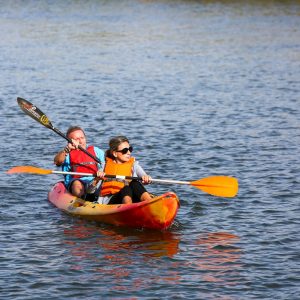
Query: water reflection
{"points": [[117, 253], [216, 254], [148, 243]]}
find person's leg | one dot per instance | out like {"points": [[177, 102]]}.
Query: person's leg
{"points": [[124, 196], [139, 191]]}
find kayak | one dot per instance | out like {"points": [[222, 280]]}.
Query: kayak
{"points": [[157, 213]]}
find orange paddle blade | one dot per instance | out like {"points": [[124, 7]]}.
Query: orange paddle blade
{"points": [[223, 186], [29, 169]]}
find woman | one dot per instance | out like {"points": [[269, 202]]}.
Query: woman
{"points": [[120, 162]]}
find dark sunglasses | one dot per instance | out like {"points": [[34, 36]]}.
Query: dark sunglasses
{"points": [[125, 150]]}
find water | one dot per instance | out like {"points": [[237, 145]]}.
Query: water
{"points": [[200, 88]]}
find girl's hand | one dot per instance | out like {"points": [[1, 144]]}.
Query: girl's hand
{"points": [[146, 179]]}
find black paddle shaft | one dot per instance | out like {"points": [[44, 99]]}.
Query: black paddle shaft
{"points": [[36, 114]]}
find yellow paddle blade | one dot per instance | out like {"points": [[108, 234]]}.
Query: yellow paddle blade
{"points": [[223, 186], [29, 169]]}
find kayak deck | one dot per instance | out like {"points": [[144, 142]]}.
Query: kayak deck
{"points": [[157, 213]]}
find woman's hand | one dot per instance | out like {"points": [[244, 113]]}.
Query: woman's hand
{"points": [[146, 179], [100, 175]]}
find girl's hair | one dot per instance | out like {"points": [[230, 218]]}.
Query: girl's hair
{"points": [[114, 144], [74, 128]]}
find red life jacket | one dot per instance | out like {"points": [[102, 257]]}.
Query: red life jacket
{"points": [[113, 186], [81, 162]]}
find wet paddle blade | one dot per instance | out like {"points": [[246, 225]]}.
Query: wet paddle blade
{"points": [[34, 112], [29, 169], [222, 186]]}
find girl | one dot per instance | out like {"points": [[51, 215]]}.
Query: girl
{"points": [[120, 162]]}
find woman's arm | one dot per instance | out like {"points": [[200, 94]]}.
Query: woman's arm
{"points": [[139, 172]]}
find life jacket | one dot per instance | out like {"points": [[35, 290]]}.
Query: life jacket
{"points": [[81, 162], [112, 185]]}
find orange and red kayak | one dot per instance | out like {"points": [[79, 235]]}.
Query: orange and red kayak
{"points": [[157, 213]]}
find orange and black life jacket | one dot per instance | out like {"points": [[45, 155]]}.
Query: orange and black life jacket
{"points": [[81, 162], [112, 185]]}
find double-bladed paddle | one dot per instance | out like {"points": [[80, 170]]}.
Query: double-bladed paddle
{"points": [[35, 113], [222, 186]]}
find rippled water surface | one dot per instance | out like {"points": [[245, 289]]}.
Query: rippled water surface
{"points": [[201, 88]]}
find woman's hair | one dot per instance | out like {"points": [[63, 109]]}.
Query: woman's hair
{"points": [[74, 128], [114, 144]]}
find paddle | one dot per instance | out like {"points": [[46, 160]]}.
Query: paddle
{"points": [[222, 186], [35, 113]]}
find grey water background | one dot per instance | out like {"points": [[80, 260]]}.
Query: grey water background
{"points": [[201, 88]]}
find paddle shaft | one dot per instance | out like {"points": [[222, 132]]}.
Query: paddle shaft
{"points": [[35, 113], [223, 186], [122, 177], [79, 147]]}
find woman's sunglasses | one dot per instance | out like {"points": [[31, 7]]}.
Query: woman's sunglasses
{"points": [[125, 150]]}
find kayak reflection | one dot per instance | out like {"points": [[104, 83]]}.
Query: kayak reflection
{"points": [[148, 243], [123, 257], [120, 254]]}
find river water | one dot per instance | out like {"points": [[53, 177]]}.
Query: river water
{"points": [[201, 88]]}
